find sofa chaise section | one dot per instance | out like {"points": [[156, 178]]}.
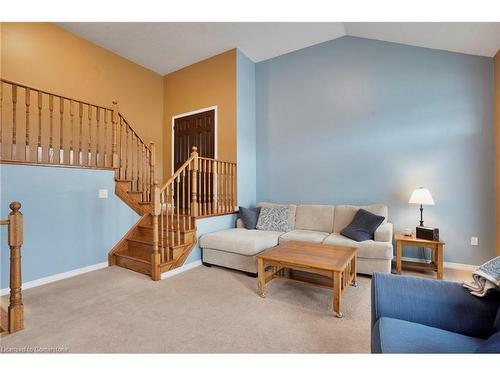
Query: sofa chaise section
{"points": [[236, 248]]}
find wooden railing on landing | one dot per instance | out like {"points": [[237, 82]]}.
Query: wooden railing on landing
{"points": [[201, 187], [12, 320], [43, 128]]}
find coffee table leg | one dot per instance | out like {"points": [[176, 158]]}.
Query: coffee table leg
{"points": [[337, 295], [262, 277], [355, 270]]}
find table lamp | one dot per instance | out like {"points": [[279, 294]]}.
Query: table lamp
{"points": [[421, 196]]}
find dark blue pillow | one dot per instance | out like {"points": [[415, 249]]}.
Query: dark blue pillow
{"points": [[363, 226], [491, 345], [249, 216]]}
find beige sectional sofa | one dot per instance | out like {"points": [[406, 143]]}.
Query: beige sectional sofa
{"points": [[236, 248]]}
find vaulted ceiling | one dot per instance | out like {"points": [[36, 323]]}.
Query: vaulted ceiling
{"points": [[166, 47]]}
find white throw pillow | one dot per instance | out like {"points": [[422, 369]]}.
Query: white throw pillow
{"points": [[274, 219]]}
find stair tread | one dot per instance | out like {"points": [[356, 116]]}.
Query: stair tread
{"points": [[134, 192], [149, 242], [122, 180], [133, 257], [170, 228], [141, 240]]}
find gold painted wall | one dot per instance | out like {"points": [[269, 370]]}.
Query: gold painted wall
{"points": [[205, 84], [496, 105], [45, 56]]}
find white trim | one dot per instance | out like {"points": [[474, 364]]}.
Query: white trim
{"points": [[57, 277], [450, 265], [186, 267], [214, 108]]}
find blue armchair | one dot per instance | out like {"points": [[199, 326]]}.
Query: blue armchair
{"points": [[415, 315]]}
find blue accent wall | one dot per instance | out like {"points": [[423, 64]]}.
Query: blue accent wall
{"points": [[246, 130], [358, 121], [66, 225]]}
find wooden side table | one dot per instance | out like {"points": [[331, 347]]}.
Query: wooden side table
{"points": [[437, 248]]}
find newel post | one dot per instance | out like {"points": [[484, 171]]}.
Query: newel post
{"points": [[15, 237], [114, 135], [155, 257], [194, 182]]}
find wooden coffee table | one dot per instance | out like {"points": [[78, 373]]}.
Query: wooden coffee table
{"points": [[328, 266]]}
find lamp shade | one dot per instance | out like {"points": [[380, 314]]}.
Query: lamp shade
{"points": [[421, 196]]}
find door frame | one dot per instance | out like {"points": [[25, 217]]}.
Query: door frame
{"points": [[172, 131]]}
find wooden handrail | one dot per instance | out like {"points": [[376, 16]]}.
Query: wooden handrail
{"points": [[178, 172], [15, 315], [31, 88], [43, 128]]}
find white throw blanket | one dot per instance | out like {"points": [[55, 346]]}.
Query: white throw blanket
{"points": [[486, 278]]}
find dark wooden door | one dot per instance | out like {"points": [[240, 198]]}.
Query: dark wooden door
{"points": [[194, 130]]}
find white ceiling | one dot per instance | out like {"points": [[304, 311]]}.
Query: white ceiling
{"points": [[166, 47]]}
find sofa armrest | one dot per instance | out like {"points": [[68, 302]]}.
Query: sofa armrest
{"points": [[239, 223], [440, 304], [384, 233]]}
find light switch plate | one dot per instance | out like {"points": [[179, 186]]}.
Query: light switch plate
{"points": [[103, 193], [474, 241]]}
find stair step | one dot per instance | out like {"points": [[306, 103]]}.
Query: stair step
{"points": [[133, 263], [122, 180], [146, 244], [121, 255], [170, 228], [134, 192], [144, 202]]}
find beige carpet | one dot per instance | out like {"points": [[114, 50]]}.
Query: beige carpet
{"points": [[204, 310]]}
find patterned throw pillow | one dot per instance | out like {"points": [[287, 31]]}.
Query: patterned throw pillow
{"points": [[274, 219]]}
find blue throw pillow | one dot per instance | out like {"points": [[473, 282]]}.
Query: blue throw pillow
{"points": [[363, 226], [491, 345], [249, 216]]}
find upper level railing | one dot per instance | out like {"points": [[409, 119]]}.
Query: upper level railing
{"points": [[44, 128], [13, 320]]}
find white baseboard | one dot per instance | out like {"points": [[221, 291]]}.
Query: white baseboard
{"points": [[166, 275], [57, 277], [451, 265]]}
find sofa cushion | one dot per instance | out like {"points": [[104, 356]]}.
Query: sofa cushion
{"points": [[345, 213], [304, 235], [292, 207], [240, 241], [384, 233], [315, 217], [274, 219], [249, 216], [366, 249], [363, 226], [400, 336]]}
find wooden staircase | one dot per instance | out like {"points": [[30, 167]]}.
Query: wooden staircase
{"points": [[136, 250], [47, 129]]}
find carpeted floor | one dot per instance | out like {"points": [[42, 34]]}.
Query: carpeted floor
{"points": [[203, 310]]}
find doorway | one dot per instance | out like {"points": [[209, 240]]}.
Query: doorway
{"points": [[196, 128]]}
